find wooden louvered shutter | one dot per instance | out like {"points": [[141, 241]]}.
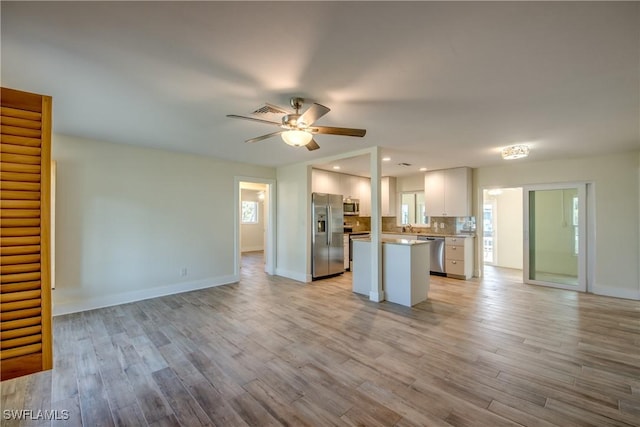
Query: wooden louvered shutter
{"points": [[25, 279]]}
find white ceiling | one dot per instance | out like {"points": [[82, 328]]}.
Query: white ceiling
{"points": [[435, 84]]}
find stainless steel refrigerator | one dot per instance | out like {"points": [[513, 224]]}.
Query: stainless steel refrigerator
{"points": [[327, 248]]}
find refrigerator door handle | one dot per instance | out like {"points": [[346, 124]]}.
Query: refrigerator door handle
{"points": [[329, 227]]}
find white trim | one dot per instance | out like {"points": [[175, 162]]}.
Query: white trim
{"points": [[76, 306], [376, 293], [583, 271], [252, 248], [270, 237], [376, 296], [607, 291], [300, 277]]}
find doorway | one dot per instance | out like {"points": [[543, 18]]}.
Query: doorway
{"points": [[556, 235], [255, 222], [502, 228]]}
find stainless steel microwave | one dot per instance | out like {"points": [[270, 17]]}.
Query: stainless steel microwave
{"points": [[351, 207]]}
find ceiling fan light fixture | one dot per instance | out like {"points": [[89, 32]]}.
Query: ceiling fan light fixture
{"points": [[515, 152], [297, 138]]}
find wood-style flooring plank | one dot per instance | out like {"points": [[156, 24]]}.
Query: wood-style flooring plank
{"points": [[271, 351], [187, 411]]}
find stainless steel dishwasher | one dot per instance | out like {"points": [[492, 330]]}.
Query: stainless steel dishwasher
{"points": [[437, 253]]}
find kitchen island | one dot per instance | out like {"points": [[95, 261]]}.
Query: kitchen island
{"points": [[405, 269]]}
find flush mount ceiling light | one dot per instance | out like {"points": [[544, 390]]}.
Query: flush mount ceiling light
{"points": [[515, 152], [386, 159], [297, 138]]}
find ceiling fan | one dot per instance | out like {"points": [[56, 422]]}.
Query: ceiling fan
{"points": [[297, 129]]}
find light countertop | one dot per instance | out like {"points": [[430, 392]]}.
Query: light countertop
{"points": [[428, 234], [391, 241], [408, 233]]}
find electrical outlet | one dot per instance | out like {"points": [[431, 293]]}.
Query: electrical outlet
{"points": [[183, 272]]}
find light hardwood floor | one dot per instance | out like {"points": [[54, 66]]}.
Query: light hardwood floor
{"points": [[271, 351]]}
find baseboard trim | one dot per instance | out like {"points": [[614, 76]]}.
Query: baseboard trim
{"points": [[68, 307], [616, 292], [376, 296], [252, 249], [300, 277]]}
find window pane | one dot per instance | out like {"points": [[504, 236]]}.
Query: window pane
{"points": [[249, 212]]}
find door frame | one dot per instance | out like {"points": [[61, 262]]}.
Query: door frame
{"points": [[270, 235], [585, 224]]}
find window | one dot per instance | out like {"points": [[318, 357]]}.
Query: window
{"points": [[405, 214], [249, 212]]}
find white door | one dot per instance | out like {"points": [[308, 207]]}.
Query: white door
{"points": [[555, 236]]}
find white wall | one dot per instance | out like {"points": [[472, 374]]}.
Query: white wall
{"points": [[252, 235], [617, 208], [293, 222], [509, 220], [413, 182], [129, 219]]}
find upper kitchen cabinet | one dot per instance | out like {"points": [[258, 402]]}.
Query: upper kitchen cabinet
{"points": [[364, 193], [448, 192], [356, 187], [325, 182], [388, 190], [349, 186]]}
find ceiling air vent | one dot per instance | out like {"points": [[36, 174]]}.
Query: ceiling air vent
{"points": [[270, 109], [270, 112], [405, 165]]}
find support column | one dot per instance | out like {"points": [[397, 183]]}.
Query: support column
{"points": [[376, 294]]}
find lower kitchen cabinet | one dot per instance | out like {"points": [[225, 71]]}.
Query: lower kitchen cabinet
{"points": [[459, 257]]}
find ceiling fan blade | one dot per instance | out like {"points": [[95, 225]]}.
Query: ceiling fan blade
{"points": [[313, 113], [235, 116], [269, 135], [312, 145], [337, 131]]}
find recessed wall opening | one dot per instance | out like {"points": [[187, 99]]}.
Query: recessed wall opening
{"points": [[255, 222], [502, 229]]}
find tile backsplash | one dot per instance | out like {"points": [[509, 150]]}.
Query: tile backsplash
{"points": [[358, 223], [437, 224]]}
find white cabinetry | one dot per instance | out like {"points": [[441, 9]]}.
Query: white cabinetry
{"points": [[355, 187], [434, 193], [361, 278], [319, 181], [398, 236], [458, 255], [448, 192], [349, 186], [388, 190], [325, 182], [364, 194], [405, 272]]}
